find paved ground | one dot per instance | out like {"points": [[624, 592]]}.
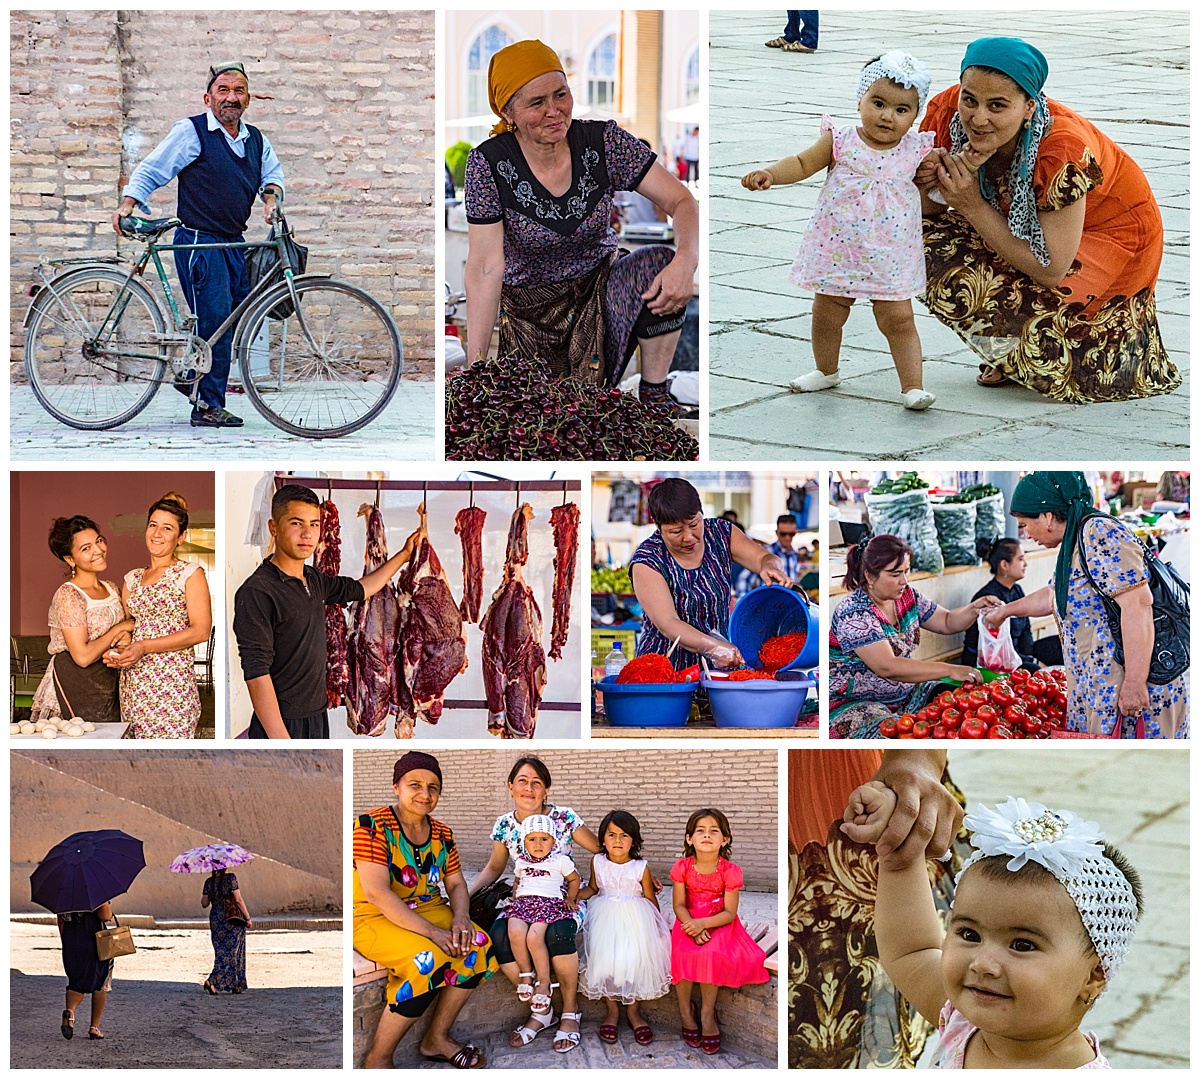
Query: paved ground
{"points": [[161, 432], [159, 1017], [1130, 78], [1140, 797]]}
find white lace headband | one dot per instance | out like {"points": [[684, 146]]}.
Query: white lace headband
{"points": [[1073, 850], [901, 68]]}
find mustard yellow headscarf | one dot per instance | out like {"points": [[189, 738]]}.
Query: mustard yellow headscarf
{"points": [[512, 67]]}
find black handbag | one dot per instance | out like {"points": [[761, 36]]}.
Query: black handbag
{"points": [[1171, 655], [260, 261], [485, 903]]}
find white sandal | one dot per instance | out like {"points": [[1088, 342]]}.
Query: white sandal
{"points": [[527, 1035], [571, 1036], [541, 1005], [525, 989]]}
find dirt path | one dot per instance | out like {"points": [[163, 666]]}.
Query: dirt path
{"points": [[159, 1017]]}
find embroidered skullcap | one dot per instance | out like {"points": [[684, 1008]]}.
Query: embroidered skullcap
{"points": [[218, 70], [901, 68], [1017, 59], [413, 761], [537, 822], [512, 67], [1073, 851]]}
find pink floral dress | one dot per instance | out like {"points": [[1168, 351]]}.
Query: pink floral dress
{"points": [[158, 693], [864, 238], [956, 1030]]}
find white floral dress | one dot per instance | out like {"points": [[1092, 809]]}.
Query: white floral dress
{"points": [[158, 693], [864, 238]]}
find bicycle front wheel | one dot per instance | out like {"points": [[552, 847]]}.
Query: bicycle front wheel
{"points": [[330, 381], [85, 376]]}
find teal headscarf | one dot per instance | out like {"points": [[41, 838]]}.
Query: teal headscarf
{"points": [[1027, 67], [1056, 492]]}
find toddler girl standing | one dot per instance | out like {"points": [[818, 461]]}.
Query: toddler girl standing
{"points": [[538, 901], [627, 943], [709, 945], [1044, 912], [864, 238]]}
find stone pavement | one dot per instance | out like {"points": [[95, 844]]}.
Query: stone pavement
{"points": [[1140, 798], [161, 432], [1130, 78]]}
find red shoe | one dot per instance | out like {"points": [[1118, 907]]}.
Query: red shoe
{"points": [[608, 1033], [690, 1037], [643, 1035], [711, 1043]]}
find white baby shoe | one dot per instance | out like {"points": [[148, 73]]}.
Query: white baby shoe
{"points": [[917, 400], [813, 381]]}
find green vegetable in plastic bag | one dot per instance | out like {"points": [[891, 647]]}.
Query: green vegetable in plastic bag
{"points": [[956, 532], [909, 516]]}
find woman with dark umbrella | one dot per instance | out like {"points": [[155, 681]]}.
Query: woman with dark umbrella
{"points": [[86, 972]]}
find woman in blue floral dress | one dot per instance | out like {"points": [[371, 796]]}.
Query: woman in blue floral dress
{"points": [[404, 921], [1055, 509], [529, 784], [228, 938]]}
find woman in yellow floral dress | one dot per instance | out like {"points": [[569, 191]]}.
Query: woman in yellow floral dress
{"points": [[1046, 265], [433, 952]]}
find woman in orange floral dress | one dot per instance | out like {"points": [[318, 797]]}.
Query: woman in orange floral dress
{"points": [[1047, 261]]}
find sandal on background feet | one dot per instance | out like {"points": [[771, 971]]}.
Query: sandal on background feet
{"points": [[525, 989], [991, 376], [795, 46], [570, 1038], [95, 1035], [466, 1059], [643, 1035], [526, 1033], [68, 1025], [917, 400], [608, 1033], [776, 43]]}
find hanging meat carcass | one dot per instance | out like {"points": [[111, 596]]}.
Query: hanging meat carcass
{"points": [[514, 665], [564, 520], [468, 525], [433, 649], [375, 689], [328, 560]]}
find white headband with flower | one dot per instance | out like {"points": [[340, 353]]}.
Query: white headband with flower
{"points": [[1073, 851], [902, 68]]}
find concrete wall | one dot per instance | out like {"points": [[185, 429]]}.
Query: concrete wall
{"points": [[345, 97], [285, 806], [38, 497], [661, 787]]}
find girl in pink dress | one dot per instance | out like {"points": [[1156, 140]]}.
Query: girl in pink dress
{"points": [[864, 239], [709, 944]]}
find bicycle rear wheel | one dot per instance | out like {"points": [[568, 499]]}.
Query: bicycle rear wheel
{"points": [[84, 383], [334, 385]]}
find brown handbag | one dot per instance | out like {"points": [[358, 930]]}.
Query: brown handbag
{"points": [[114, 942]]}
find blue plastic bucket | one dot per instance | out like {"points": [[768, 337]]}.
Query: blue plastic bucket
{"points": [[756, 703], [772, 611], [634, 705]]}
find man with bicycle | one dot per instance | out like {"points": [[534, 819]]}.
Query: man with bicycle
{"points": [[223, 165]]}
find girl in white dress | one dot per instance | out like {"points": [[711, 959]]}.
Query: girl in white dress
{"points": [[627, 941]]}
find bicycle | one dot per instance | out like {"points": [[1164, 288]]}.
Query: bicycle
{"points": [[318, 357]]}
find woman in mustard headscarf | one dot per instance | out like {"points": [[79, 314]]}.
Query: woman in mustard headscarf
{"points": [[543, 253], [1055, 509], [1048, 263]]}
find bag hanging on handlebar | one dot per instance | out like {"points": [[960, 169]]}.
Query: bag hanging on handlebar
{"points": [[260, 261]]}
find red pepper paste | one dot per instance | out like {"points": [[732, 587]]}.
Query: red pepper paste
{"points": [[651, 668], [777, 652], [746, 675]]}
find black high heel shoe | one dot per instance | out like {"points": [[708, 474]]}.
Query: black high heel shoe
{"points": [[68, 1025], [208, 987]]}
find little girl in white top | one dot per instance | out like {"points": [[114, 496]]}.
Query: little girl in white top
{"points": [[1044, 912], [627, 941], [538, 900], [864, 239]]}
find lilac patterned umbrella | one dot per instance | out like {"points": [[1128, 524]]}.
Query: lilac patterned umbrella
{"points": [[210, 857]]}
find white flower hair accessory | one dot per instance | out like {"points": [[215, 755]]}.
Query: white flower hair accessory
{"points": [[1072, 850], [902, 68]]}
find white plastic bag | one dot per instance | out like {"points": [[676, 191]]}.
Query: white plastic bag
{"points": [[997, 653]]}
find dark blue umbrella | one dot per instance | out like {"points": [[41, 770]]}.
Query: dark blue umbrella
{"points": [[86, 870]]}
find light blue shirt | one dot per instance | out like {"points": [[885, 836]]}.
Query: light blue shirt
{"points": [[180, 148]]}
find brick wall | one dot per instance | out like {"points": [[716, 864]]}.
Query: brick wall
{"points": [[661, 787], [345, 97]]}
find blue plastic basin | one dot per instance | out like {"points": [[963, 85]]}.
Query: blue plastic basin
{"points": [[772, 611], [633, 705], [757, 703]]}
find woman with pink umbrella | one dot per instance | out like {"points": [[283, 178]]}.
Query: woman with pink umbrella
{"points": [[228, 916]]}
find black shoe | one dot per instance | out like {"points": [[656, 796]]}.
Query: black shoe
{"points": [[215, 417]]}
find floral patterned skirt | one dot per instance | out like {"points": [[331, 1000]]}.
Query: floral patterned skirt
{"points": [[1072, 352], [861, 719], [229, 951], [159, 698]]}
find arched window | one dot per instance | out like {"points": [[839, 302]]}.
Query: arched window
{"points": [[602, 73], [691, 81], [483, 48]]}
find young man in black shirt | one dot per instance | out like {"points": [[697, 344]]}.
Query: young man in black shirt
{"points": [[279, 620]]}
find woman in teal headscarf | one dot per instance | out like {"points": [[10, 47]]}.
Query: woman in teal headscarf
{"points": [[1056, 510], [1047, 265]]}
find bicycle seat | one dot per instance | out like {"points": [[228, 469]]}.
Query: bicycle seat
{"points": [[148, 230]]}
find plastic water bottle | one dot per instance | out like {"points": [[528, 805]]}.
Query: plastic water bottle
{"points": [[614, 661]]}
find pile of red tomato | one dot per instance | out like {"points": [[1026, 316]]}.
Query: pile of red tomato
{"points": [[1022, 705]]}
